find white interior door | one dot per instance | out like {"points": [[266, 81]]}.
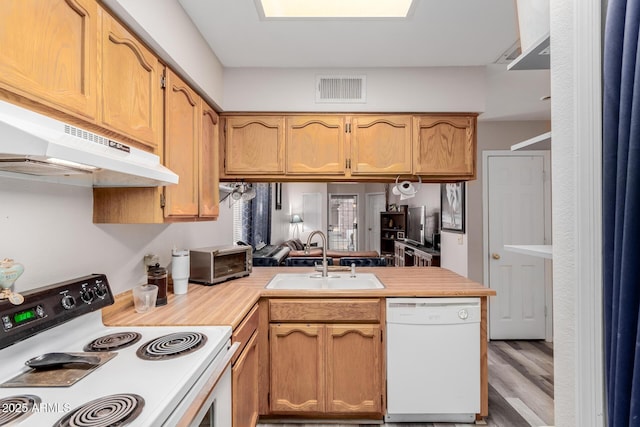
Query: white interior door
{"points": [[375, 205], [516, 216]]}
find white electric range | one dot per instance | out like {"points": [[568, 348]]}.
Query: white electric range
{"points": [[134, 376]]}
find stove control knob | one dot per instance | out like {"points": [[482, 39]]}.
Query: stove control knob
{"points": [[68, 302], [101, 290], [86, 295]]}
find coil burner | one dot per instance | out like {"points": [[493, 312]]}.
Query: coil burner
{"points": [[171, 345], [113, 341], [16, 408], [114, 410]]}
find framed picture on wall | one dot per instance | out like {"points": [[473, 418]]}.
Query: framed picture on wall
{"points": [[452, 207]]}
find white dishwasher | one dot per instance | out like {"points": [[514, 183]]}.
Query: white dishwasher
{"points": [[433, 359]]}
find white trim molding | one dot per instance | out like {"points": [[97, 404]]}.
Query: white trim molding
{"points": [[588, 144], [576, 110]]}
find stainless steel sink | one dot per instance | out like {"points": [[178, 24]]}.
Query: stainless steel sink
{"points": [[314, 281]]}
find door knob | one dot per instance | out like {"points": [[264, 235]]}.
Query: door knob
{"points": [[495, 256]]}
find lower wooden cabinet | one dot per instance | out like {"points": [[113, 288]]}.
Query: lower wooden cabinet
{"points": [[297, 368], [353, 369], [326, 369], [244, 377], [245, 371]]}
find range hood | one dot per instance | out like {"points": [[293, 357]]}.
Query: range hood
{"points": [[37, 147]]}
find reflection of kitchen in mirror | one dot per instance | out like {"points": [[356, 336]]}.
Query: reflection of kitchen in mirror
{"points": [[310, 200]]}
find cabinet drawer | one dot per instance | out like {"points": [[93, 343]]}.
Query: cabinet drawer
{"points": [[245, 330], [325, 310]]}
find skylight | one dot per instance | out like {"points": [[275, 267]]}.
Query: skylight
{"points": [[336, 8]]}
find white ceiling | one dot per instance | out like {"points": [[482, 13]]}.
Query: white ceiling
{"points": [[438, 33]]}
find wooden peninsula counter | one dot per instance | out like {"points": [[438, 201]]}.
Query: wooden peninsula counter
{"points": [[248, 307]]}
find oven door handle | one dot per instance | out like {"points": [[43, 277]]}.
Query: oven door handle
{"points": [[201, 399]]}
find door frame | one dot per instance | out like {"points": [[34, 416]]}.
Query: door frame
{"points": [[356, 195], [369, 219], [548, 267]]}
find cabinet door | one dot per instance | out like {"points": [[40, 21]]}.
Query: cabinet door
{"points": [[49, 52], [315, 144], [354, 369], [380, 145], [254, 145], [297, 368], [445, 146], [245, 386], [208, 164], [130, 91], [182, 122]]}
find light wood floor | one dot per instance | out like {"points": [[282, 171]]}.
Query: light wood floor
{"points": [[520, 388]]}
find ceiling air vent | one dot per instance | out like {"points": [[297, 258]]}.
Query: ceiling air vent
{"points": [[343, 89]]}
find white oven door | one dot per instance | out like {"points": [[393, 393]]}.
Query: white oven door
{"points": [[215, 410], [219, 413]]}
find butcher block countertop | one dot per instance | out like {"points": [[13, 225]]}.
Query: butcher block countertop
{"points": [[227, 303]]}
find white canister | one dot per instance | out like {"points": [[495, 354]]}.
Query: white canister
{"points": [[180, 271]]}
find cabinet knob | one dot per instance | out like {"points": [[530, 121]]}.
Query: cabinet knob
{"points": [[495, 256]]}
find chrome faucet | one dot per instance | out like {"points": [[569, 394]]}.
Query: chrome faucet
{"points": [[325, 269]]}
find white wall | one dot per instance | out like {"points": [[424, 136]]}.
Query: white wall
{"points": [[388, 89], [498, 135], [49, 229]]}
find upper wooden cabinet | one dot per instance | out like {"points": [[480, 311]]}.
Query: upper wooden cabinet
{"points": [[130, 85], [190, 150], [181, 148], [444, 146], [209, 205], [254, 145], [380, 145], [315, 145], [49, 52], [354, 147]]}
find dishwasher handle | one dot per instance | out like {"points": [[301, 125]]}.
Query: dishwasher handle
{"points": [[433, 311], [418, 305]]}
